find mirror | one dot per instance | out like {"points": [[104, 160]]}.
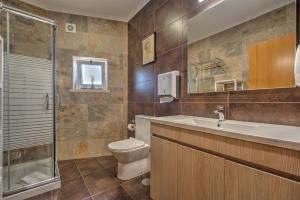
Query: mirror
{"points": [[242, 44]]}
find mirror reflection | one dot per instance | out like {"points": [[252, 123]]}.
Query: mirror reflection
{"points": [[242, 44]]}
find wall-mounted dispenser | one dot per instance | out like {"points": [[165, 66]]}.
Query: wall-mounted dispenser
{"points": [[297, 67], [168, 86]]}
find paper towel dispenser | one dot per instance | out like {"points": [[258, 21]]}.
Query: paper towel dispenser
{"points": [[297, 67], [168, 86]]}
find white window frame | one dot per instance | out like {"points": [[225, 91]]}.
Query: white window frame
{"points": [[77, 73]]}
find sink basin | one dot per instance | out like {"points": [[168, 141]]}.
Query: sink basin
{"points": [[199, 122], [213, 123], [238, 127]]}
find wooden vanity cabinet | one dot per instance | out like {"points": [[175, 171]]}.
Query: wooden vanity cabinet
{"points": [[246, 183], [182, 172], [163, 169], [200, 175]]}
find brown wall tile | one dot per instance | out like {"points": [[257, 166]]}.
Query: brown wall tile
{"points": [[274, 113], [170, 27], [203, 109], [166, 109], [169, 37], [270, 95], [168, 12]]}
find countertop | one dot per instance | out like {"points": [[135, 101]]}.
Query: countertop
{"points": [[269, 134]]}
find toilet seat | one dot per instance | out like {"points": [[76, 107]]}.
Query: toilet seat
{"points": [[126, 145]]}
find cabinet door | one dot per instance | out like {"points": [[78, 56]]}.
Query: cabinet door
{"points": [[200, 175], [271, 63], [245, 183], [163, 169]]}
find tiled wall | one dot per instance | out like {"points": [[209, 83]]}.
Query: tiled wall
{"points": [[167, 18], [88, 121]]}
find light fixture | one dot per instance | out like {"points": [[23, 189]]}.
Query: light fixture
{"points": [[200, 1]]}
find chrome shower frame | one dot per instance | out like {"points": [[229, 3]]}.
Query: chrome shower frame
{"points": [[54, 182]]}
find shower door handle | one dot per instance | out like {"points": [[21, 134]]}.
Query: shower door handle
{"points": [[47, 101], [58, 101]]}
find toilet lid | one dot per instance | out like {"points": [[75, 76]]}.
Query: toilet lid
{"points": [[127, 144]]}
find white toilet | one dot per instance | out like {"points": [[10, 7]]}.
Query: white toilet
{"points": [[133, 153]]}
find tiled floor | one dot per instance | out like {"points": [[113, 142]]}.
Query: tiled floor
{"points": [[95, 179]]}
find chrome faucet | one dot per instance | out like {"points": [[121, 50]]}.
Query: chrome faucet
{"points": [[219, 111]]}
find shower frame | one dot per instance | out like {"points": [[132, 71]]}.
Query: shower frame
{"points": [[54, 181]]}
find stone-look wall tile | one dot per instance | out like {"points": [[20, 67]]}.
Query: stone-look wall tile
{"points": [[34, 153], [291, 19], [75, 149], [104, 112], [72, 113], [87, 122], [104, 26]]}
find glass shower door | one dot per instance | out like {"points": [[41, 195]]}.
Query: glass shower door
{"points": [[28, 148]]}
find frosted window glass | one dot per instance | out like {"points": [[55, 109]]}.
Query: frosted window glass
{"points": [[91, 71]]}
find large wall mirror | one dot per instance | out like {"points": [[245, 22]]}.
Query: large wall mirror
{"points": [[241, 45]]}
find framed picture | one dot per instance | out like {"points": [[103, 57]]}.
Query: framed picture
{"points": [[149, 49]]}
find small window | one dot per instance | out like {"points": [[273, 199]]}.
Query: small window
{"points": [[89, 73]]}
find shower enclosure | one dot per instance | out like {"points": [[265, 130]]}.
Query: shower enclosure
{"points": [[28, 101]]}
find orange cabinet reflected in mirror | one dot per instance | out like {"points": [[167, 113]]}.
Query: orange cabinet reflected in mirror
{"points": [[271, 63]]}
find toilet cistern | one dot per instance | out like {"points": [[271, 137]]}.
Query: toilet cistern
{"points": [[219, 111]]}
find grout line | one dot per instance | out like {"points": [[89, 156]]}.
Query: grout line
{"points": [[130, 195], [84, 181], [108, 189]]}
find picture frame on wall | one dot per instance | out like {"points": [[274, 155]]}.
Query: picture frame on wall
{"points": [[148, 46]]}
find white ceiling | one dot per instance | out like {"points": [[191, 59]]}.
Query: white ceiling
{"points": [[227, 14], [121, 10]]}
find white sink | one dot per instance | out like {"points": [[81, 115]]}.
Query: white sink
{"points": [[235, 126], [213, 123]]}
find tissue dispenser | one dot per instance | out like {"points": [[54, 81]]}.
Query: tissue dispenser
{"points": [[297, 67], [168, 86]]}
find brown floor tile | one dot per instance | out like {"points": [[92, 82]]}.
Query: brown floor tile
{"points": [[98, 181], [110, 164], [136, 189], [88, 165], [107, 161], [117, 193], [68, 171], [73, 190], [113, 170]]}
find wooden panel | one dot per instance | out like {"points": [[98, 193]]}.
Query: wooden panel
{"points": [[281, 159], [163, 169], [246, 183], [271, 63], [252, 67], [200, 175]]}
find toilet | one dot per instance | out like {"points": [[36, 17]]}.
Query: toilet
{"points": [[133, 153]]}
